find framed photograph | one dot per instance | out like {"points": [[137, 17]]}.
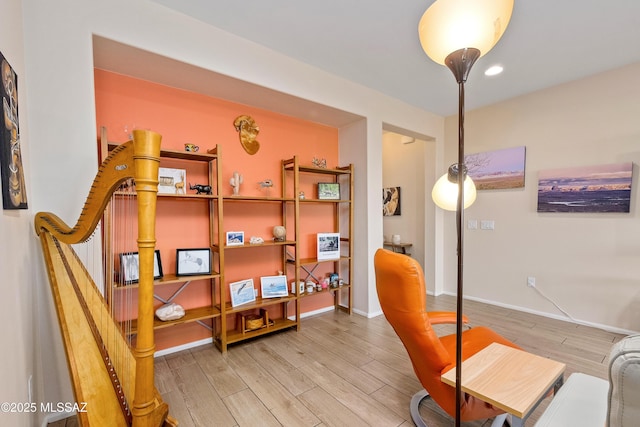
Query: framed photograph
{"points": [[171, 181], [274, 286], [328, 246], [242, 292], [328, 191], [130, 267], [235, 238], [191, 262]]}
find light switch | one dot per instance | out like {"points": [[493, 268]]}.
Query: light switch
{"points": [[487, 224], [472, 224]]}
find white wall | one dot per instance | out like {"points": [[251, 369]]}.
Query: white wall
{"points": [[589, 264], [59, 64], [403, 165], [18, 247]]}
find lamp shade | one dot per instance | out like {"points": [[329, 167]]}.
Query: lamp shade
{"points": [[445, 193], [451, 25]]}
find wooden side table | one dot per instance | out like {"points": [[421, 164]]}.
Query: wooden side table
{"points": [[510, 379], [399, 247]]}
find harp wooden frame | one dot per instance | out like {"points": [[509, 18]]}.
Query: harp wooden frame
{"points": [[115, 381]]}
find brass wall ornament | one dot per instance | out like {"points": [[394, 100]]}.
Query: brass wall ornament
{"points": [[248, 131]]}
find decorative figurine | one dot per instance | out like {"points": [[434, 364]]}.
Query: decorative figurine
{"points": [[254, 240], [279, 233], [235, 182], [248, 131], [180, 185], [193, 148], [319, 163], [266, 185], [301, 195], [201, 188]]}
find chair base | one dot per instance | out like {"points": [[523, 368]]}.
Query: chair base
{"points": [[414, 409]]}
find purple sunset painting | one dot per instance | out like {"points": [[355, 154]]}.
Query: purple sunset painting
{"points": [[601, 188], [496, 170]]}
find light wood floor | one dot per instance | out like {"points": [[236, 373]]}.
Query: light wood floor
{"points": [[342, 370]]}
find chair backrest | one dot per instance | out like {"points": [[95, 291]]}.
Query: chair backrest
{"points": [[402, 294], [623, 409]]}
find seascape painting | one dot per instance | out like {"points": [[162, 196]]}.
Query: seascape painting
{"points": [[497, 170], [601, 188]]}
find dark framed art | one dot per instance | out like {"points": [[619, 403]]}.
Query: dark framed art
{"points": [[190, 262], [130, 267], [14, 191], [391, 201], [328, 191]]}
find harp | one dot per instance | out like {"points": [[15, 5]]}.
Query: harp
{"points": [[115, 380]]}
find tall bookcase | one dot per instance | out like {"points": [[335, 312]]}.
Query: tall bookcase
{"points": [[297, 177], [205, 314]]}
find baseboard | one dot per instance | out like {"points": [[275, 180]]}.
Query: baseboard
{"points": [[607, 328], [56, 416], [182, 347]]}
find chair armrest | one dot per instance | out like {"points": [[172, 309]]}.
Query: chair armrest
{"points": [[443, 317]]}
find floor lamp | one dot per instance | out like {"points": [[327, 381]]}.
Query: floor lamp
{"points": [[456, 33]]}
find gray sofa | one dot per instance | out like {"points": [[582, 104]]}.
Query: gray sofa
{"points": [[587, 401]]}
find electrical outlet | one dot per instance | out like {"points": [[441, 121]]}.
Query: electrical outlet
{"points": [[531, 282]]}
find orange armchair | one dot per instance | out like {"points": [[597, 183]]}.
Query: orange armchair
{"points": [[402, 294]]}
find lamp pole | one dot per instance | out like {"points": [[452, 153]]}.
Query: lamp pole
{"points": [[460, 63]]}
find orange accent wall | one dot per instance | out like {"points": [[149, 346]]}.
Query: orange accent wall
{"points": [[181, 117]]}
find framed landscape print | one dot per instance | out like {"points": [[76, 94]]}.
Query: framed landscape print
{"points": [[274, 286], [498, 169], [328, 191], [601, 188]]}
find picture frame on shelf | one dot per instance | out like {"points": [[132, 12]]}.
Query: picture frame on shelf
{"points": [[191, 262], [130, 267], [242, 292], [274, 286], [171, 181], [328, 191], [328, 246], [235, 238]]}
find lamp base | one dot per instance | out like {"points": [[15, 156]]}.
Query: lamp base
{"points": [[461, 61]]}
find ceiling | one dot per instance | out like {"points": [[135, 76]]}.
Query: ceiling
{"points": [[375, 43]]}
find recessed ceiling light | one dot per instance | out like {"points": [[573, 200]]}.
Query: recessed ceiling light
{"points": [[493, 70]]}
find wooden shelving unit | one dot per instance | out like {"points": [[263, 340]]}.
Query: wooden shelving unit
{"points": [[205, 315], [342, 224], [217, 314]]}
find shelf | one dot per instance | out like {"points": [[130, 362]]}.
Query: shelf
{"points": [[169, 279], [278, 325], [312, 261], [181, 155], [324, 201], [256, 199], [266, 243], [258, 303], [323, 291], [191, 315], [289, 166]]}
